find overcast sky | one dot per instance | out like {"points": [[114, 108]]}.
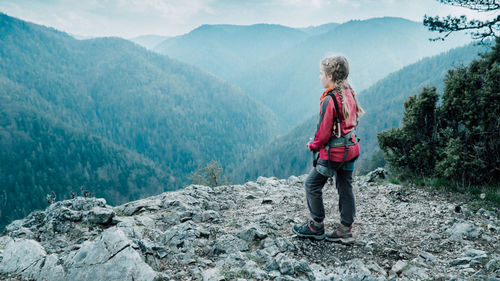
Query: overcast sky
{"points": [[130, 18]]}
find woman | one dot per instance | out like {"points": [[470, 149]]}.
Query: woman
{"points": [[334, 160]]}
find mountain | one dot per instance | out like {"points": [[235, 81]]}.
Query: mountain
{"points": [[383, 104], [41, 155], [319, 29], [279, 66], [373, 47], [149, 41], [225, 50], [201, 233], [81, 37], [105, 110]]}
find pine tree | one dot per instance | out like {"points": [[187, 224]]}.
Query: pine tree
{"points": [[482, 29]]}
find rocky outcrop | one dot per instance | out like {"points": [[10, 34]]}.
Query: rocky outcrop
{"points": [[243, 232]]}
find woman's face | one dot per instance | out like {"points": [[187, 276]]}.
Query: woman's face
{"points": [[326, 81]]}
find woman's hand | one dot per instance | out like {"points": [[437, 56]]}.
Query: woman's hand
{"points": [[307, 144]]}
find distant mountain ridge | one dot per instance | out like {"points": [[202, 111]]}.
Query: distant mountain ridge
{"points": [[319, 29], [223, 49], [284, 76], [149, 41]]}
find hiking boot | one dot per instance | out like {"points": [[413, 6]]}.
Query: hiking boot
{"points": [[310, 229], [340, 233]]}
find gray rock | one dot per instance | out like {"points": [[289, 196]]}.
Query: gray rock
{"points": [[100, 215], [463, 228], [303, 268], [229, 243], [109, 257], [52, 269], [293, 180], [181, 235], [252, 232], [284, 244], [486, 213], [20, 254], [427, 256], [376, 268], [235, 259], [261, 180], [14, 225], [272, 251], [22, 232], [285, 264], [415, 272], [358, 267], [212, 274], [493, 265], [135, 207], [149, 247], [209, 215], [471, 256], [379, 173], [254, 271], [399, 266], [473, 253]]}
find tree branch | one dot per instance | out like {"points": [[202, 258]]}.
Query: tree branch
{"points": [[476, 5], [451, 24]]}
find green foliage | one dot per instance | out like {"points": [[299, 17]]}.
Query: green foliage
{"points": [[458, 140], [411, 148], [394, 180], [211, 175], [376, 160]]}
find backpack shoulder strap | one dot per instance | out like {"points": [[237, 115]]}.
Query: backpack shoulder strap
{"points": [[323, 109], [338, 134]]}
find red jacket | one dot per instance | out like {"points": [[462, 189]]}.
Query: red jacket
{"points": [[325, 129]]}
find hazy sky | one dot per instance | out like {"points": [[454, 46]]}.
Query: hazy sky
{"points": [[129, 18]]}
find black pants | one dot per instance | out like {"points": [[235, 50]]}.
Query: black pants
{"points": [[314, 195]]}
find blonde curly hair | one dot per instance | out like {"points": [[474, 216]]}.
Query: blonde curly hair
{"points": [[338, 67]]}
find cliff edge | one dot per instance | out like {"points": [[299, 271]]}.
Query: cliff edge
{"points": [[243, 232]]}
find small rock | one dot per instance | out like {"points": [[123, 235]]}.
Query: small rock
{"points": [[100, 215], [427, 256], [228, 243], [285, 264], [398, 266], [416, 273], [212, 274], [375, 267], [493, 265], [379, 173], [459, 261], [254, 271], [293, 180], [463, 228], [252, 232], [261, 180], [209, 215]]}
